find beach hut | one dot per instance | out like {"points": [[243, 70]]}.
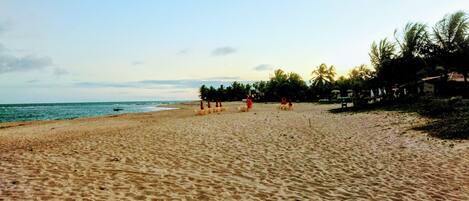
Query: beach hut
{"points": [[437, 85]]}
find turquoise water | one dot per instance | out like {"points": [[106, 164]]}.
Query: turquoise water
{"points": [[54, 111]]}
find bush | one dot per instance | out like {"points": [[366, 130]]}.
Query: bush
{"points": [[360, 102], [439, 107], [455, 100]]}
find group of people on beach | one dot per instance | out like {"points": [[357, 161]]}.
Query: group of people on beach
{"points": [[284, 105], [203, 111]]}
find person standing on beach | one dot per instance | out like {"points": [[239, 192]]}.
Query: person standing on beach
{"points": [[249, 103], [209, 107]]}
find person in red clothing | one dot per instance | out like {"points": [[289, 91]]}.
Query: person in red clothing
{"points": [[284, 101], [249, 103]]}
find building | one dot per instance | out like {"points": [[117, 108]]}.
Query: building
{"points": [[436, 85]]}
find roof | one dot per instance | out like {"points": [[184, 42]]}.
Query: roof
{"points": [[457, 77], [453, 76]]}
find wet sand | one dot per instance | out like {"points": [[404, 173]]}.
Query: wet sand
{"points": [[265, 154]]}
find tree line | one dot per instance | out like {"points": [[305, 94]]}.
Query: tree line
{"points": [[417, 51]]}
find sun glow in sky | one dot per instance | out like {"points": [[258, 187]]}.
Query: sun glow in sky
{"points": [[87, 50]]}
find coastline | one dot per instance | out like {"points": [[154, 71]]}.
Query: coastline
{"points": [[28, 112], [262, 154], [45, 125]]}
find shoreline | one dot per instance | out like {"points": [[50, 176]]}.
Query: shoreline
{"points": [[154, 108]]}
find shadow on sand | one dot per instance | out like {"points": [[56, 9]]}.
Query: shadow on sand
{"points": [[450, 120]]}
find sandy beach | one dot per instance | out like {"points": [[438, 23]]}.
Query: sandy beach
{"points": [[265, 154]]}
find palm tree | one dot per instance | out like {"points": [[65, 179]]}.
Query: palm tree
{"points": [[278, 85], [412, 44], [280, 76], [382, 57], [322, 79], [450, 39], [294, 77], [331, 73], [381, 53], [450, 33], [203, 90], [296, 86], [361, 72], [323, 75], [414, 39]]}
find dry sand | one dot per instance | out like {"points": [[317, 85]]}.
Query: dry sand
{"points": [[265, 154]]}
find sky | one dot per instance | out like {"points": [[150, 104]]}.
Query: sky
{"points": [[116, 50]]}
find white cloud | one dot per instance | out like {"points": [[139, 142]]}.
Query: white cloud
{"points": [[183, 52], [223, 51], [263, 67], [60, 71], [137, 63], [11, 63]]}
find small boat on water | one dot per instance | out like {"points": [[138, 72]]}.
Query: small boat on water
{"points": [[117, 109]]}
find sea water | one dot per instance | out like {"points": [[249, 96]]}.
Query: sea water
{"points": [[54, 111]]}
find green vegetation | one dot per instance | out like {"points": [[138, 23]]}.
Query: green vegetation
{"points": [[417, 52], [281, 84]]}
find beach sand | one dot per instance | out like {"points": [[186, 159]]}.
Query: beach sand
{"points": [[265, 154]]}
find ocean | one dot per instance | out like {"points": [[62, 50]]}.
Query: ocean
{"points": [[55, 111]]}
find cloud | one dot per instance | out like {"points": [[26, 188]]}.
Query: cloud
{"points": [[2, 49], [4, 26], [60, 71], [223, 51], [10, 63], [137, 63], [158, 84], [176, 91], [183, 52], [13, 63], [263, 67]]}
